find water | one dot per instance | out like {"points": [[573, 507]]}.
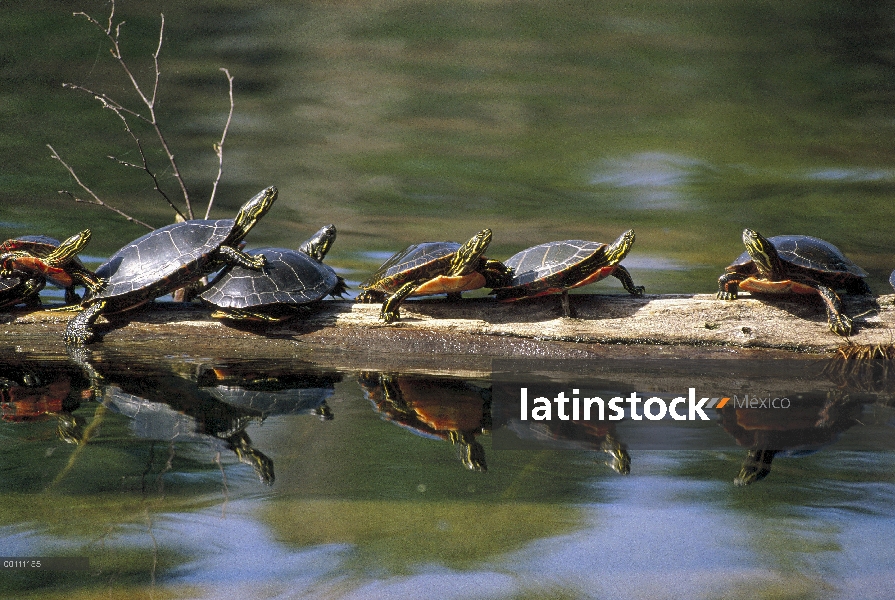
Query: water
{"points": [[278, 478], [408, 121]]}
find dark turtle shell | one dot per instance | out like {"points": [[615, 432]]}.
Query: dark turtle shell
{"points": [[428, 259], [289, 278], [808, 253], [19, 290], [163, 260], [538, 263]]}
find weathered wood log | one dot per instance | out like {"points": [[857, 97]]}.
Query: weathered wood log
{"points": [[474, 330]]}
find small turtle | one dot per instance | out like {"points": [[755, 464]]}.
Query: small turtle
{"points": [[557, 267], [289, 281], [892, 279], [167, 259], [43, 257], [432, 268], [795, 264], [20, 290]]}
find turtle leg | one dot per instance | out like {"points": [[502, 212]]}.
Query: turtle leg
{"points": [[232, 256], [622, 275], [840, 323], [389, 311], [370, 296], [756, 466], [728, 286], [80, 329], [566, 307]]}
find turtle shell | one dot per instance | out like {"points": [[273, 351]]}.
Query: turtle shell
{"points": [[892, 279], [538, 263], [162, 260], [809, 253], [289, 277], [18, 290], [428, 259]]}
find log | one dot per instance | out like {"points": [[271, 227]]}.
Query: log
{"points": [[436, 335]]}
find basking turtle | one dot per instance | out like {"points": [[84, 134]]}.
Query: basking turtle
{"points": [[432, 268], [20, 290], [43, 257], [436, 408], [289, 281], [795, 264], [167, 259], [557, 267], [892, 279]]}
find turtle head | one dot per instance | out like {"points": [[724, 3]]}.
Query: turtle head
{"points": [[69, 248], [763, 254], [318, 245], [466, 258], [251, 211], [618, 250]]}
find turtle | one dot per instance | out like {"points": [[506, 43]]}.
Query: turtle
{"points": [[167, 259], [43, 257], [557, 267], [20, 290], [283, 288], [437, 408], [433, 268], [892, 279], [795, 264]]}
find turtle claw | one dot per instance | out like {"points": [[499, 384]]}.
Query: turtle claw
{"points": [[722, 295], [637, 291], [389, 316], [840, 325]]}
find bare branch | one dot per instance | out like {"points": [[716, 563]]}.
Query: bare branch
{"points": [[95, 199], [149, 102], [106, 100], [219, 147], [145, 166]]}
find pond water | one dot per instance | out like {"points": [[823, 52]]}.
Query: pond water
{"points": [[179, 477], [404, 121]]}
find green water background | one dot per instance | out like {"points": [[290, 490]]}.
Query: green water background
{"points": [[409, 121]]}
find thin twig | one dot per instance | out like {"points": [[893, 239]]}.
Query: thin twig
{"points": [[145, 167], [219, 147], [148, 101], [96, 199]]}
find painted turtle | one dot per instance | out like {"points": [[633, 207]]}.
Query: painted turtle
{"points": [[892, 279], [557, 267], [283, 288], [795, 264], [432, 268], [167, 259], [20, 290], [43, 257]]}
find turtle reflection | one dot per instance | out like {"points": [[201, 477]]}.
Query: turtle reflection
{"points": [[590, 435], [440, 408], [279, 391], [811, 422], [165, 405], [30, 392]]}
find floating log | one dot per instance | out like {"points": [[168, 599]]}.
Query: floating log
{"points": [[468, 333]]}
